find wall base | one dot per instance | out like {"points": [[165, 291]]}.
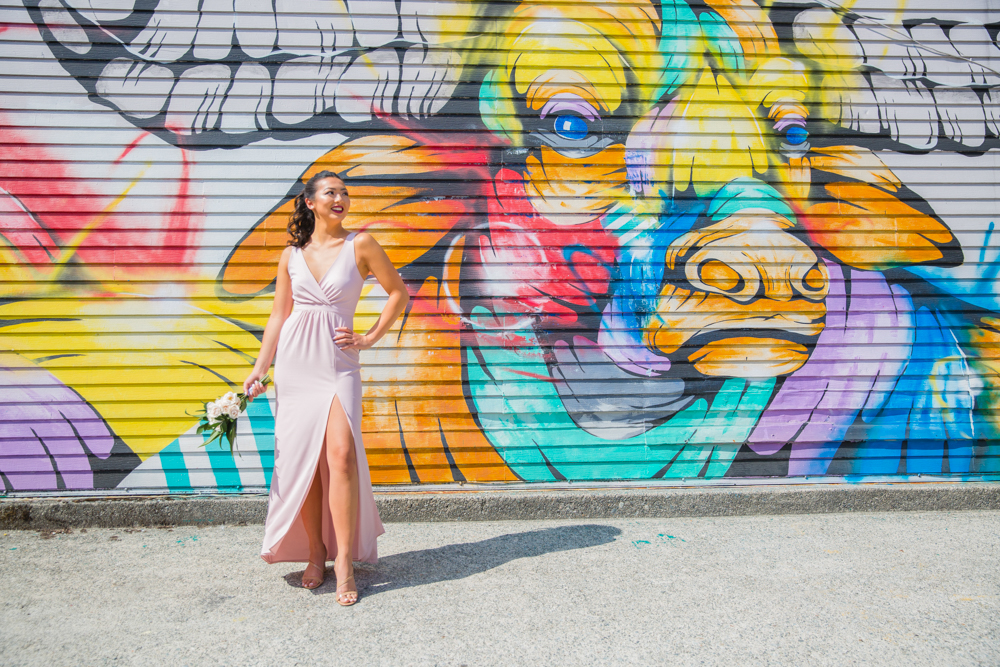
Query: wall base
{"points": [[404, 504]]}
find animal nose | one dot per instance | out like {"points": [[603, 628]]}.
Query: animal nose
{"points": [[774, 265]]}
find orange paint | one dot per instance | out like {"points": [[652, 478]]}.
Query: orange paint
{"points": [[572, 191], [855, 163], [869, 228], [751, 25], [407, 217], [815, 279], [749, 357], [682, 314], [718, 275], [414, 398]]}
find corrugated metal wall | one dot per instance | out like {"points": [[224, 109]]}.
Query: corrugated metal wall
{"points": [[644, 240]]}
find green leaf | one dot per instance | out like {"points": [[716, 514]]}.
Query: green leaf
{"points": [[214, 437], [231, 436]]}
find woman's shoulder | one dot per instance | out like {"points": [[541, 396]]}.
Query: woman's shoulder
{"points": [[364, 241], [286, 254]]}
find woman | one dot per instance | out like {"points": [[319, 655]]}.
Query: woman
{"points": [[321, 504]]}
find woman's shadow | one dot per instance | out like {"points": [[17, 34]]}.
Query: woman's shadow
{"points": [[458, 561]]}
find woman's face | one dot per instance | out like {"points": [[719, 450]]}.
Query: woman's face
{"points": [[331, 200]]}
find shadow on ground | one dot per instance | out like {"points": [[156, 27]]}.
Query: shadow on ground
{"points": [[458, 561]]}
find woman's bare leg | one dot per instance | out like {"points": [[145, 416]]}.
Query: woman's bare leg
{"points": [[343, 496]]}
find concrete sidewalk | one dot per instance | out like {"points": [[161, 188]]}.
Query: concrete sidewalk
{"points": [[506, 502], [908, 589]]}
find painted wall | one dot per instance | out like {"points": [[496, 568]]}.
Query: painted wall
{"points": [[645, 239]]}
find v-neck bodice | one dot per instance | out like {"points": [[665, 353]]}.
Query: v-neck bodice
{"points": [[338, 290]]}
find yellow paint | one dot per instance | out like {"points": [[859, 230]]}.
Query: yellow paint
{"points": [[777, 80], [605, 41], [795, 180], [141, 362], [712, 138]]}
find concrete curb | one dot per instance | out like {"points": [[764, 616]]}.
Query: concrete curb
{"points": [[501, 504]]}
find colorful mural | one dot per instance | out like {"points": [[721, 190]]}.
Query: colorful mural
{"points": [[644, 240]]}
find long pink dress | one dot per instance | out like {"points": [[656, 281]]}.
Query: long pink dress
{"points": [[310, 370]]}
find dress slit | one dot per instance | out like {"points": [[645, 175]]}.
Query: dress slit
{"points": [[329, 531], [329, 536]]}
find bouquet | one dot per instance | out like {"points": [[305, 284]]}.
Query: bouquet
{"points": [[219, 416]]}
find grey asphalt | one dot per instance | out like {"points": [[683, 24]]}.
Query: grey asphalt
{"points": [[906, 588]]}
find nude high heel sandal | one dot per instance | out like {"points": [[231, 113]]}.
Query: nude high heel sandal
{"points": [[347, 598], [314, 582]]}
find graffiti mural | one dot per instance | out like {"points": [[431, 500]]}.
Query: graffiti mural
{"points": [[644, 240]]}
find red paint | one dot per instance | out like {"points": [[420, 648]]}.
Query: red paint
{"points": [[541, 264], [533, 376], [128, 149], [66, 197], [181, 232], [20, 230]]}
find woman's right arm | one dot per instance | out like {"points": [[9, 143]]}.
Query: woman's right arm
{"points": [[280, 311]]}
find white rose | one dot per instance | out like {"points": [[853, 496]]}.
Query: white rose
{"points": [[233, 411], [214, 411], [229, 398]]}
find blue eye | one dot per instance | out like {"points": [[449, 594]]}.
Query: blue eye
{"points": [[796, 135], [573, 127]]}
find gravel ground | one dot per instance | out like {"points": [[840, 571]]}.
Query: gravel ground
{"points": [[842, 589]]}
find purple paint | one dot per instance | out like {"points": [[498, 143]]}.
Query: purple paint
{"points": [[622, 346], [854, 365], [43, 422], [569, 102]]}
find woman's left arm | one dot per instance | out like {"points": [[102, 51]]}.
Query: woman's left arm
{"points": [[372, 259]]}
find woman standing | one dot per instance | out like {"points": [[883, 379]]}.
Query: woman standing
{"points": [[321, 505]]}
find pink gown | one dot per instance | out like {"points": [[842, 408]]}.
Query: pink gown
{"points": [[310, 370]]}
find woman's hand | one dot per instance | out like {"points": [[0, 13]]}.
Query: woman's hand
{"points": [[346, 339], [252, 386]]}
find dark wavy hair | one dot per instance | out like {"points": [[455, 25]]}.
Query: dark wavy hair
{"points": [[302, 221]]}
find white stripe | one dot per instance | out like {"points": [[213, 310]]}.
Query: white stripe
{"points": [[247, 459], [148, 476], [196, 461]]}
